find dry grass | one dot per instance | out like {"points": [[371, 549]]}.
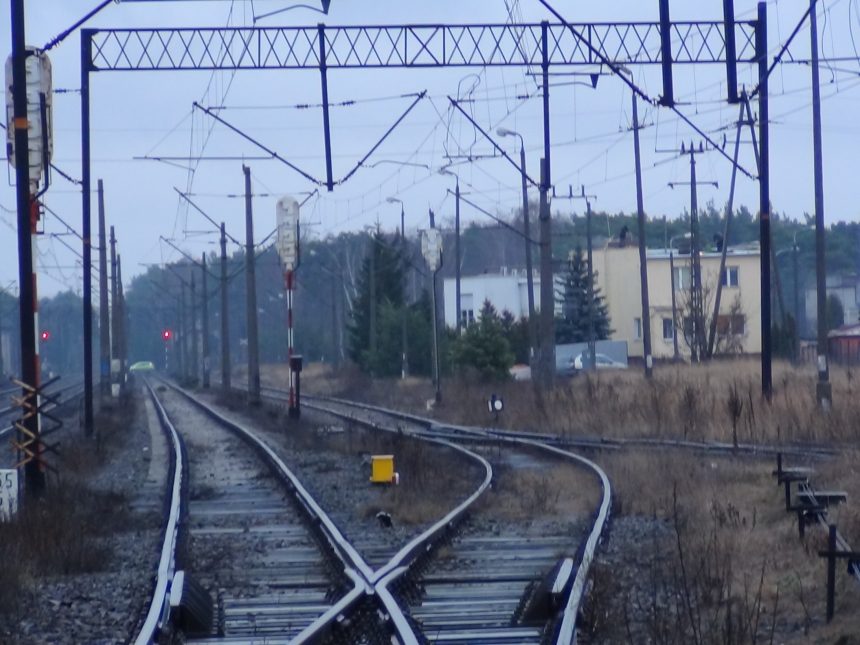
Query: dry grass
{"points": [[61, 534], [744, 562], [720, 401], [731, 554]]}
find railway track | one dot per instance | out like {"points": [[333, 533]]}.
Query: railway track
{"points": [[495, 584], [282, 570]]}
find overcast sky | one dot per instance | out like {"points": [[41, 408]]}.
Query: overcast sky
{"points": [[150, 114]]}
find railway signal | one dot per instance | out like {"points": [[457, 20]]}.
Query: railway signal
{"points": [[287, 243], [166, 335], [45, 335]]}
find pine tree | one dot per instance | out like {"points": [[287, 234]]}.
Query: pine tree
{"points": [[483, 347], [379, 355], [572, 325]]}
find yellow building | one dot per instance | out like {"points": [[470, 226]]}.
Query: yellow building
{"points": [[739, 319]]}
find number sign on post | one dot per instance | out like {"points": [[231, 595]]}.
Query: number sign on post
{"points": [[8, 494]]}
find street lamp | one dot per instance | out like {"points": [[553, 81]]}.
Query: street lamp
{"points": [[445, 171], [505, 132], [404, 364]]}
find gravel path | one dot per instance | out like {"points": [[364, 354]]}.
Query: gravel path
{"points": [[110, 545]]}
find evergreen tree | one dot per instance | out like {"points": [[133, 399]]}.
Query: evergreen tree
{"points": [[835, 312], [517, 333], [572, 325], [381, 272], [483, 347]]}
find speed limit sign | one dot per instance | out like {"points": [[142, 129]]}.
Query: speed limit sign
{"points": [[8, 494]]}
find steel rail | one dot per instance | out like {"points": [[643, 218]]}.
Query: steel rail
{"points": [[567, 628], [354, 565], [403, 560], [159, 609], [606, 443]]}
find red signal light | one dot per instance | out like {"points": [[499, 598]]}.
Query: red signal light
{"points": [[45, 335], [166, 335]]}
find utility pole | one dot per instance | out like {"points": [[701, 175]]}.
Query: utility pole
{"points": [[372, 326], [121, 322], [195, 357], [104, 305], [114, 299], [727, 227], [796, 347], [404, 340], [764, 196], [695, 264], [251, 286], [547, 286], [547, 292], [206, 360], [823, 389], [183, 336], [592, 351], [530, 287], [643, 260], [225, 323], [459, 307], [34, 474]]}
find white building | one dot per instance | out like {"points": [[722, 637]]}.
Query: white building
{"points": [[507, 290]]}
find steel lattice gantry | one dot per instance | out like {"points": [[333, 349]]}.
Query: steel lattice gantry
{"points": [[412, 46], [541, 45]]}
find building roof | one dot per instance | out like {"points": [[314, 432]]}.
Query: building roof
{"points": [[731, 252], [845, 331]]}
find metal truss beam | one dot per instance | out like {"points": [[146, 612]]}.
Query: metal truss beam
{"points": [[412, 46]]}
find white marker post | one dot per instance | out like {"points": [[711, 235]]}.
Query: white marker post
{"points": [[287, 215], [8, 494]]}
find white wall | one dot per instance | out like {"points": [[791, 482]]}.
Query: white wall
{"points": [[504, 291]]}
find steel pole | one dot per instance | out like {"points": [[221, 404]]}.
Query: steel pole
{"points": [[643, 260], [404, 363], [206, 359], [114, 300], [547, 291], [195, 356], [104, 305], [437, 374], [86, 251], [251, 301], [675, 353], [592, 351], [764, 200], [796, 339], [459, 304], [225, 316], [34, 475], [823, 388], [529, 271]]}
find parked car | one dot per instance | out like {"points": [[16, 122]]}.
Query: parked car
{"points": [[602, 360], [521, 372]]}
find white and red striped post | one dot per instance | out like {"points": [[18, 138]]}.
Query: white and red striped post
{"points": [[288, 277]]}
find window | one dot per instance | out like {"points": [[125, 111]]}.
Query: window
{"points": [[731, 277], [668, 329], [682, 278], [734, 324], [637, 328], [467, 309]]}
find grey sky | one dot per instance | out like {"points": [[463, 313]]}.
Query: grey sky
{"points": [[135, 114]]}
